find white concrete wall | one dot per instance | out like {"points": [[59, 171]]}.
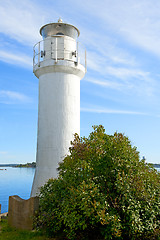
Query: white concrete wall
{"points": [[59, 47], [58, 120], [59, 108]]}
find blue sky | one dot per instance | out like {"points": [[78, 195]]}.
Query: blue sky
{"points": [[121, 89]]}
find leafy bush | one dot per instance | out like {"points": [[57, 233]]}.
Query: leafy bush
{"points": [[104, 191]]}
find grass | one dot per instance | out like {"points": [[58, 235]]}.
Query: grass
{"points": [[9, 233]]}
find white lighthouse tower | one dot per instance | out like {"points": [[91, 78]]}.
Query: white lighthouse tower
{"points": [[58, 66]]}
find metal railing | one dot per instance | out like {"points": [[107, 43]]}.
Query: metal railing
{"points": [[56, 51]]}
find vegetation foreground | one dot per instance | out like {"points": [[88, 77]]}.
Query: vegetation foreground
{"points": [[8, 233], [104, 191]]}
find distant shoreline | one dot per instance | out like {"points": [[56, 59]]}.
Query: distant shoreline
{"points": [[18, 165], [33, 165], [8, 165], [156, 165]]}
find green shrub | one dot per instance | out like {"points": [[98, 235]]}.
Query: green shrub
{"points": [[104, 191]]}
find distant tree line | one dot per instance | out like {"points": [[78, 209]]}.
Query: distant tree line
{"points": [[27, 165], [156, 165]]}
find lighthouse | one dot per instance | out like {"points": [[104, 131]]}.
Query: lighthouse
{"points": [[59, 65]]}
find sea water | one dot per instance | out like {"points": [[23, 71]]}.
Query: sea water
{"points": [[15, 181]]}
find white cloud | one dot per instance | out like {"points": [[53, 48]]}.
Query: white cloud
{"points": [[136, 21], [11, 97], [3, 152], [19, 20], [125, 73], [128, 81], [16, 59], [110, 111], [102, 65], [105, 48], [119, 76], [105, 83]]}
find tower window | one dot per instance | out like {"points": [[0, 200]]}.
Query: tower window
{"points": [[59, 33]]}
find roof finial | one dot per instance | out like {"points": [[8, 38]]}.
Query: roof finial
{"points": [[60, 20]]}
